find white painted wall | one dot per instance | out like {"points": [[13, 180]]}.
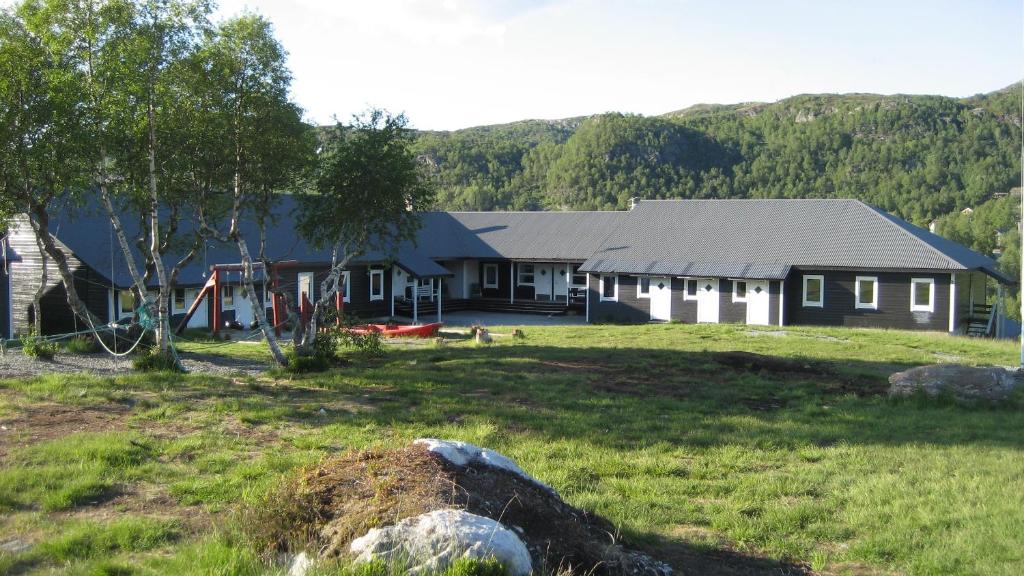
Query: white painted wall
{"points": [[455, 285]]}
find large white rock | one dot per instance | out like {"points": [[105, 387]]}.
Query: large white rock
{"points": [[464, 454], [431, 542]]}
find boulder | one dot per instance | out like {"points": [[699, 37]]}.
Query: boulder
{"points": [[465, 454], [430, 542], [966, 383]]}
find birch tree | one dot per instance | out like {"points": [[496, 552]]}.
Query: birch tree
{"points": [[40, 135], [260, 140], [368, 191]]}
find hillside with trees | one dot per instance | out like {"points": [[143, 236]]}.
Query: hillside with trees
{"points": [[920, 157]]}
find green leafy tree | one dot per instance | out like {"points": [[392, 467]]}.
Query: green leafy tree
{"points": [[249, 139], [368, 189]]}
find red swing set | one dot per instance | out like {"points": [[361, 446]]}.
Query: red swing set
{"points": [[213, 290]]}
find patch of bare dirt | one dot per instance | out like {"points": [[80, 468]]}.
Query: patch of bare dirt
{"points": [[41, 422]]}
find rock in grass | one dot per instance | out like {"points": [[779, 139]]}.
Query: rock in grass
{"points": [[964, 383], [465, 454], [431, 542]]}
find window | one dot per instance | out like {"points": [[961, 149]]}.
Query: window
{"points": [[346, 286], [739, 291], [866, 289], [227, 297], [922, 295], [179, 300], [692, 287], [526, 274], [376, 285], [814, 291], [578, 278], [125, 302], [609, 288], [490, 275], [643, 287]]}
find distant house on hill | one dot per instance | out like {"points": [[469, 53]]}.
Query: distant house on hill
{"points": [[758, 262]]}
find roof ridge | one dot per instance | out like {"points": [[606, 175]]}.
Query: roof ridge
{"points": [[884, 216]]}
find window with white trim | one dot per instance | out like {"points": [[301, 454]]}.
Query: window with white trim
{"points": [[346, 286], [643, 287], [692, 288], [609, 288], [227, 297], [125, 303], [490, 275], [180, 297], [526, 274], [376, 284], [814, 291], [578, 278], [922, 295], [866, 292], [739, 291]]}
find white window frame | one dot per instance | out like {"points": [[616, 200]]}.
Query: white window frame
{"points": [[600, 287], [736, 298], [174, 300], [873, 305], [520, 272], [930, 307], [489, 285], [347, 284], [574, 272], [640, 287], [223, 291], [686, 289], [821, 293], [373, 272], [121, 312]]}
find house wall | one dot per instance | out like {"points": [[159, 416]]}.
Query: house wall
{"points": [[893, 301], [729, 311], [57, 317], [504, 279], [359, 303], [628, 308]]}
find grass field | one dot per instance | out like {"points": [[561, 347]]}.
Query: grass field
{"points": [[713, 465]]}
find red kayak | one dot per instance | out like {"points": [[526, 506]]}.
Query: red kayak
{"points": [[422, 331]]}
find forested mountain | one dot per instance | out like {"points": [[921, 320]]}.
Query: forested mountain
{"points": [[920, 157]]}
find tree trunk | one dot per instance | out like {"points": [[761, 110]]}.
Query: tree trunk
{"points": [[41, 227], [163, 297], [37, 298], [122, 239], [258, 310], [328, 289]]}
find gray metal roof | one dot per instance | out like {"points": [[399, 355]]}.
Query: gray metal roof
{"points": [[678, 235], [87, 232], [715, 238], [553, 236]]}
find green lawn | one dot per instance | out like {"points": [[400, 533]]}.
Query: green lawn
{"points": [[707, 463]]}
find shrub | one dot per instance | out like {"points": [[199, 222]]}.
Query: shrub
{"points": [[80, 345], [36, 347], [299, 363], [153, 360], [370, 344]]}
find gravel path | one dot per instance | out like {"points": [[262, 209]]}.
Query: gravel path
{"points": [[14, 364]]}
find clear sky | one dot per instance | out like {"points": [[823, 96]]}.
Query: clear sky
{"points": [[455, 63]]}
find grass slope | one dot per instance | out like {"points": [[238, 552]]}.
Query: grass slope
{"points": [[716, 466]]}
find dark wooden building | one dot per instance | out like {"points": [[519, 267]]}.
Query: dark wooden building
{"points": [[757, 262]]}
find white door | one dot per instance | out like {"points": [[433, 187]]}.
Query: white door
{"points": [[542, 281], [243, 309], [758, 302], [661, 299], [561, 276], [305, 282], [707, 300]]}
